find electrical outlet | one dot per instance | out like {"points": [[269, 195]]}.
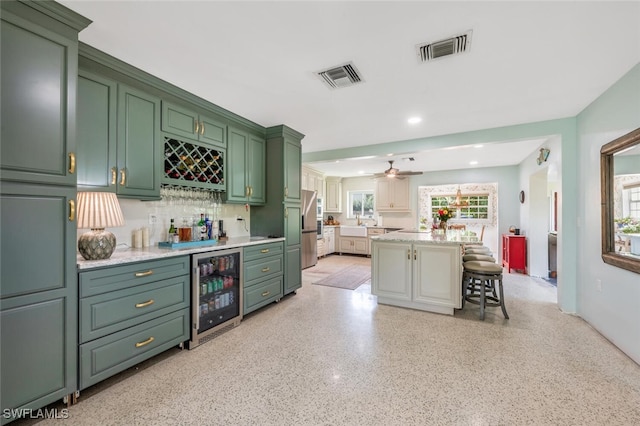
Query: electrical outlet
{"points": [[153, 219]]}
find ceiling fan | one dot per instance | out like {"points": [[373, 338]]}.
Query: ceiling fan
{"points": [[392, 172]]}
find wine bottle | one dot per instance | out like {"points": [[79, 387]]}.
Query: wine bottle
{"points": [[202, 226], [172, 232]]}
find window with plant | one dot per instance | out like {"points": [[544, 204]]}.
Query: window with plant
{"points": [[476, 206]]}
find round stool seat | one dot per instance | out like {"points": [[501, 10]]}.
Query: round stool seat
{"points": [[477, 249], [470, 257], [483, 267]]}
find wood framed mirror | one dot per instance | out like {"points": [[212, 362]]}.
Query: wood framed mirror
{"points": [[620, 189]]}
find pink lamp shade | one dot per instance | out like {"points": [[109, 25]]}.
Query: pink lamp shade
{"points": [[96, 211]]}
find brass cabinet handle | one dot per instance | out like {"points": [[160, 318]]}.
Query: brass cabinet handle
{"points": [[286, 212], [72, 163], [146, 342], [197, 127], [246, 191], [123, 177], [409, 254], [144, 274], [250, 191], [264, 251], [415, 256], [142, 305], [114, 173], [201, 128], [266, 293], [72, 210], [267, 269], [286, 191]]}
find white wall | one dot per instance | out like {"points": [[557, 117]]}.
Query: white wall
{"points": [[614, 307]]}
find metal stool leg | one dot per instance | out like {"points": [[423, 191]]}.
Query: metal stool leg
{"points": [[504, 309]]}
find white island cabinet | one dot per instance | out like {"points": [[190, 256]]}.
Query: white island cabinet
{"points": [[417, 270]]}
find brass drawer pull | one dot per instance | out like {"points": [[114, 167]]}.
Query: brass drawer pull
{"points": [[146, 342], [142, 305], [267, 269], [264, 251], [72, 163], [266, 293], [144, 274]]}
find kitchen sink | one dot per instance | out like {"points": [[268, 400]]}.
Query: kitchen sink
{"points": [[353, 231]]}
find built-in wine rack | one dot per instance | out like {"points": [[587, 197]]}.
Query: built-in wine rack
{"points": [[192, 165]]}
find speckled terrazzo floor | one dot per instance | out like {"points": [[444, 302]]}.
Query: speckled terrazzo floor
{"points": [[329, 356]]}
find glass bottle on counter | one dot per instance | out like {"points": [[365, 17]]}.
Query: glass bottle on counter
{"points": [[172, 231], [202, 227]]}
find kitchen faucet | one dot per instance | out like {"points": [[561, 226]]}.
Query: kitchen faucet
{"points": [[358, 222]]}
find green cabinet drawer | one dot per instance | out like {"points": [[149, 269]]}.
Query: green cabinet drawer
{"points": [[116, 278], [107, 313], [116, 352], [262, 251], [262, 294], [260, 269]]}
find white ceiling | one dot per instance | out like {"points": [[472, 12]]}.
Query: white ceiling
{"points": [[528, 61]]}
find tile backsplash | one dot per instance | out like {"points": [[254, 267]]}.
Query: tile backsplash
{"points": [[136, 215]]}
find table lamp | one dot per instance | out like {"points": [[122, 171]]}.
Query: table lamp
{"points": [[96, 211]]}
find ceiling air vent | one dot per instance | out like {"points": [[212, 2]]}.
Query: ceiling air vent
{"points": [[450, 46], [341, 76]]}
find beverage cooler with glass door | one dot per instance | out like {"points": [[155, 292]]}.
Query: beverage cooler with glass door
{"points": [[216, 294]]}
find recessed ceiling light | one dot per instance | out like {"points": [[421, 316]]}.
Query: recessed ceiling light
{"points": [[414, 120], [361, 172], [473, 163], [478, 146], [389, 155]]}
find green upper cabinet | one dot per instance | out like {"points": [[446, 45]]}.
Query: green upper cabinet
{"points": [[189, 124], [139, 149], [38, 69], [292, 170], [245, 169], [96, 153]]}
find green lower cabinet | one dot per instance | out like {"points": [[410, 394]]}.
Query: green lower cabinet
{"points": [[293, 265], [129, 313], [104, 357], [37, 365], [263, 271]]}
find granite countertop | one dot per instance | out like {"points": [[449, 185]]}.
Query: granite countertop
{"points": [[451, 237], [130, 255]]}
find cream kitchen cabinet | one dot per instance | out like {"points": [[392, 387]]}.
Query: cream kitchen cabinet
{"points": [[353, 245], [312, 180], [333, 195], [392, 194], [329, 240], [372, 232], [421, 276]]}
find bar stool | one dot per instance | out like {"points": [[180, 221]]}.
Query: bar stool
{"points": [[477, 250], [484, 275], [483, 257]]}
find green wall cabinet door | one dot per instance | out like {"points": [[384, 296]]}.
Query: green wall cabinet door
{"points": [[186, 123], [292, 169], [38, 299], [245, 168], [96, 151], [293, 247], [38, 73], [139, 149]]}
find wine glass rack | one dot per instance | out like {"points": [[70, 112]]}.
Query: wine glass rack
{"points": [[188, 164]]}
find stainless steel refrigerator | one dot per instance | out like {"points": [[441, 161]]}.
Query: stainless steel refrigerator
{"points": [[309, 229]]}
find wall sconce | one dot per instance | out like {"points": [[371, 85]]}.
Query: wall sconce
{"points": [[96, 211], [544, 155]]}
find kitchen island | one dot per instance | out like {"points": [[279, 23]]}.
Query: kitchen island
{"points": [[419, 270]]}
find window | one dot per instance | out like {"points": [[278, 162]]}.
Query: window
{"points": [[477, 208], [634, 202], [361, 204]]}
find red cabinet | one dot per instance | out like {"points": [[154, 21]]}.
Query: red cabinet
{"points": [[514, 252]]}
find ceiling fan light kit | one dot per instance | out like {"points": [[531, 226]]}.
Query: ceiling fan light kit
{"points": [[392, 172]]}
